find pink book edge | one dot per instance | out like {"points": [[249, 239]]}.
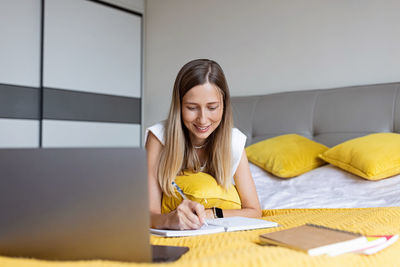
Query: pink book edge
{"points": [[390, 239]]}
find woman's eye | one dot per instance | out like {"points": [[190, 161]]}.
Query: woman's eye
{"points": [[191, 108], [213, 108]]}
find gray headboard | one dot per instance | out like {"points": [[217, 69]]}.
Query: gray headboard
{"points": [[329, 116]]}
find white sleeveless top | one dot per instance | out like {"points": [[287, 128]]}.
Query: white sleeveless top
{"points": [[238, 142]]}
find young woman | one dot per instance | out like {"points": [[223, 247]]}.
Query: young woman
{"points": [[198, 136]]}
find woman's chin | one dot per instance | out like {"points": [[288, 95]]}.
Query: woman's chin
{"points": [[201, 136]]}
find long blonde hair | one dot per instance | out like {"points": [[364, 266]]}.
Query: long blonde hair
{"points": [[178, 153]]}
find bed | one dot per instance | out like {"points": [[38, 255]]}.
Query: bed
{"points": [[326, 195], [329, 117], [324, 187]]}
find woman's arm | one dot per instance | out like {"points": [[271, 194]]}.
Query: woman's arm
{"points": [[247, 191], [188, 215]]}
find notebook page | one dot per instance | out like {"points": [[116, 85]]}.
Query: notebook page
{"points": [[241, 223], [204, 230]]}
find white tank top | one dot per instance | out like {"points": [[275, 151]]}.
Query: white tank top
{"points": [[238, 142]]}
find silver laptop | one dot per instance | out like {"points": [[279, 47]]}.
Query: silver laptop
{"points": [[77, 203]]}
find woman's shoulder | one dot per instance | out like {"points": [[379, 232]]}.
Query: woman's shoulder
{"points": [[157, 130], [238, 136], [238, 142]]}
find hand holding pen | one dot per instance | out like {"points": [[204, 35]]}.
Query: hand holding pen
{"points": [[185, 198]]}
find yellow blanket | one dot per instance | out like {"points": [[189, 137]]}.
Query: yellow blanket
{"points": [[241, 248]]}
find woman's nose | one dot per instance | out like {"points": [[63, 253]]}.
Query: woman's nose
{"points": [[202, 118]]}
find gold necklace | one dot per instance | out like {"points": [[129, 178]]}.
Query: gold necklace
{"points": [[201, 146]]}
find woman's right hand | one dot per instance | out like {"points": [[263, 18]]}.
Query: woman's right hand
{"points": [[188, 215]]}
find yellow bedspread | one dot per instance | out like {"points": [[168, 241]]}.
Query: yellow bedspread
{"points": [[240, 248]]}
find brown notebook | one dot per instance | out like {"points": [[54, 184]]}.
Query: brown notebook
{"points": [[315, 239]]}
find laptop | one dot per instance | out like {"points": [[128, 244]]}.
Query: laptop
{"points": [[77, 204]]}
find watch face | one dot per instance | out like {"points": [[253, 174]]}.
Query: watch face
{"points": [[219, 213]]}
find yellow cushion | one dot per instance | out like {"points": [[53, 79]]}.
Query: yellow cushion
{"points": [[373, 157], [286, 155], [202, 188]]}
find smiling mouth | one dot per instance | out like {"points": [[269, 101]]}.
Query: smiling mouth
{"points": [[202, 129]]}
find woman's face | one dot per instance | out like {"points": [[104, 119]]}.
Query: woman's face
{"points": [[202, 110]]}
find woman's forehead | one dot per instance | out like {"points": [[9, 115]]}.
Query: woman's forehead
{"points": [[203, 93]]}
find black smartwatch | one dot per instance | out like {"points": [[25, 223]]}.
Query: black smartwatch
{"points": [[218, 213]]}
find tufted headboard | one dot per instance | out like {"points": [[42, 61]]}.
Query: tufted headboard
{"points": [[328, 116]]}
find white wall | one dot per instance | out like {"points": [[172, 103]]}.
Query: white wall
{"points": [[267, 46]]}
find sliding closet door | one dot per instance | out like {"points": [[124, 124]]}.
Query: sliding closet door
{"points": [[19, 73], [91, 75]]}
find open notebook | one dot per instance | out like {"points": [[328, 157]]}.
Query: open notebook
{"points": [[219, 225]]}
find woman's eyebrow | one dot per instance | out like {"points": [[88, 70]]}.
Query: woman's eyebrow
{"points": [[195, 103]]}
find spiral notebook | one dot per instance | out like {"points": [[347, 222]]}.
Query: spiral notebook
{"points": [[219, 225]]}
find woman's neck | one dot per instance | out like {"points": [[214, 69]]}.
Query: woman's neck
{"points": [[199, 144], [202, 155]]}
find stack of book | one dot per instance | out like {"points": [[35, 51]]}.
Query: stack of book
{"points": [[321, 240]]}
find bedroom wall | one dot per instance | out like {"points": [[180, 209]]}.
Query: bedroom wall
{"points": [[268, 46]]}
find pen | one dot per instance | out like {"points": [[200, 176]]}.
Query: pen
{"points": [[179, 190], [183, 195]]}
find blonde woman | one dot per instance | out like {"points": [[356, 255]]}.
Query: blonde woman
{"points": [[198, 135]]}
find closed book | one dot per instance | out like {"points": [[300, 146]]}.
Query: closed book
{"points": [[315, 239]]}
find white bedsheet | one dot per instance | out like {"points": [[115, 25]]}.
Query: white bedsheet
{"points": [[324, 187]]}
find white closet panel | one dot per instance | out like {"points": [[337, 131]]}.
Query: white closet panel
{"points": [[91, 47], [134, 5], [20, 42], [89, 134], [15, 133]]}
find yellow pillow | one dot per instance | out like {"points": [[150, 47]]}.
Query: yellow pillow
{"points": [[202, 188], [373, 157], [286, 155]]}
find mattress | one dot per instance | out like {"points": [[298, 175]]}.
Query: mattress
{"points": [[324, 187]]}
